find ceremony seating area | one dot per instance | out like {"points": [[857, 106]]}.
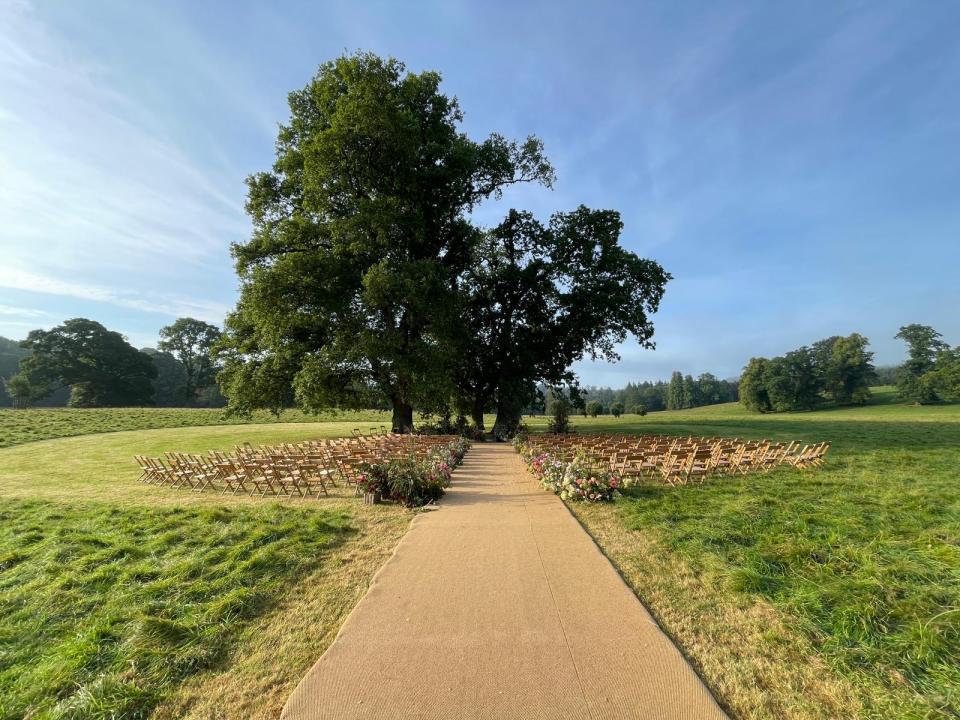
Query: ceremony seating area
{"points": [[671, 459], [305, 469]]}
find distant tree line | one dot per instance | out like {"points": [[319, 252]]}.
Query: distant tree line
{"points": [[83, 364], [840, 370], [682, 391], [837, 368]]}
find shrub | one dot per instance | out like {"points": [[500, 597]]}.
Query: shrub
{"points": [[594, 408], [616, 409], [561, 416], [639, 409]]}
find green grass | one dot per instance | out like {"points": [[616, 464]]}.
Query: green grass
{"points": [[830, 593], [861, 557], [117, 596], [21, 426], [97, 467], [104, 609]]}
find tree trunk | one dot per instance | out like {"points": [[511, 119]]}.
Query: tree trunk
{"points": [[402, 417], [477, 415], [509, 415]]}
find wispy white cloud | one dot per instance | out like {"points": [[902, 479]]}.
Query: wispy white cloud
{"points": [[8, 311], [165, 304], [96, 200]]}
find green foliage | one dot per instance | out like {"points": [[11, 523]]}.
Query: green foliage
{"points": [[675, 400], [100, 367], [191, 342], [616, 409], [10, 356], [539, 297], [703, 390], [104, 610], [638, 409], [794, 381], [652, 395], [348, 284], [847, 368], [838, 368], [594, 408], [753, 386], [560, 411], [170, 383], [688, 391], [21, 392], [886, 375], [944, 378], [918, 379]]}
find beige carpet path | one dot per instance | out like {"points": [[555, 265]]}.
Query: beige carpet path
{"points": [[498, 605]]}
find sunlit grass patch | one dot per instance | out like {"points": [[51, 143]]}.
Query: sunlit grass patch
{"points": [[105, 610], [22, 426]]}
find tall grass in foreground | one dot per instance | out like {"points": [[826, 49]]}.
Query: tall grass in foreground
{"points": [[104, 610]]}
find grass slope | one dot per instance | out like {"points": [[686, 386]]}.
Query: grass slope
{"points": [[802, 595], [99, 467], [124, 600], [21, 426]]}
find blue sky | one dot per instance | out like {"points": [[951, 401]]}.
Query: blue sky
{"points": [[794, 165]]}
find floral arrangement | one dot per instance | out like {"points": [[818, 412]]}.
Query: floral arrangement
{"points": [[575, 480], [412, 481]]}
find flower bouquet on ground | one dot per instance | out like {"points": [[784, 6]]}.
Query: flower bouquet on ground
{"points": [[576, 480], [582, 481], [411, 481]]}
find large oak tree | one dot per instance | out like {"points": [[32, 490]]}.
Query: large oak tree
{"points": [[360, 231], [541, 297], [99, 365]]}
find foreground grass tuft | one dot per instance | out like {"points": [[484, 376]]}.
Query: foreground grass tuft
{"points": [[105, 610]]}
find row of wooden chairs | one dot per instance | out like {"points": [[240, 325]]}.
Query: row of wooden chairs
{"points": [[306, 469], [678, 460]]}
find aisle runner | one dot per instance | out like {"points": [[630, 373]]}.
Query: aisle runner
{"points": [[498, 605]]}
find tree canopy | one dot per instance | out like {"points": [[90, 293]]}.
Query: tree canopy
{"points": [[932, 370], [100, 366], [190, 341], [349, 282], [836, 368], [541, 297], [366, 279], [924, 344]]}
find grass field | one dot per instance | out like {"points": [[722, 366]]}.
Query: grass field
{"points": [[128, 601], [20, 426], [833, 593], [825, 594]]}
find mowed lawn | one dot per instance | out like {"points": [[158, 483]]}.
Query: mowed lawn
{"points": [[821, 594], [825, 594], [121, 600], [20, 426]]}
